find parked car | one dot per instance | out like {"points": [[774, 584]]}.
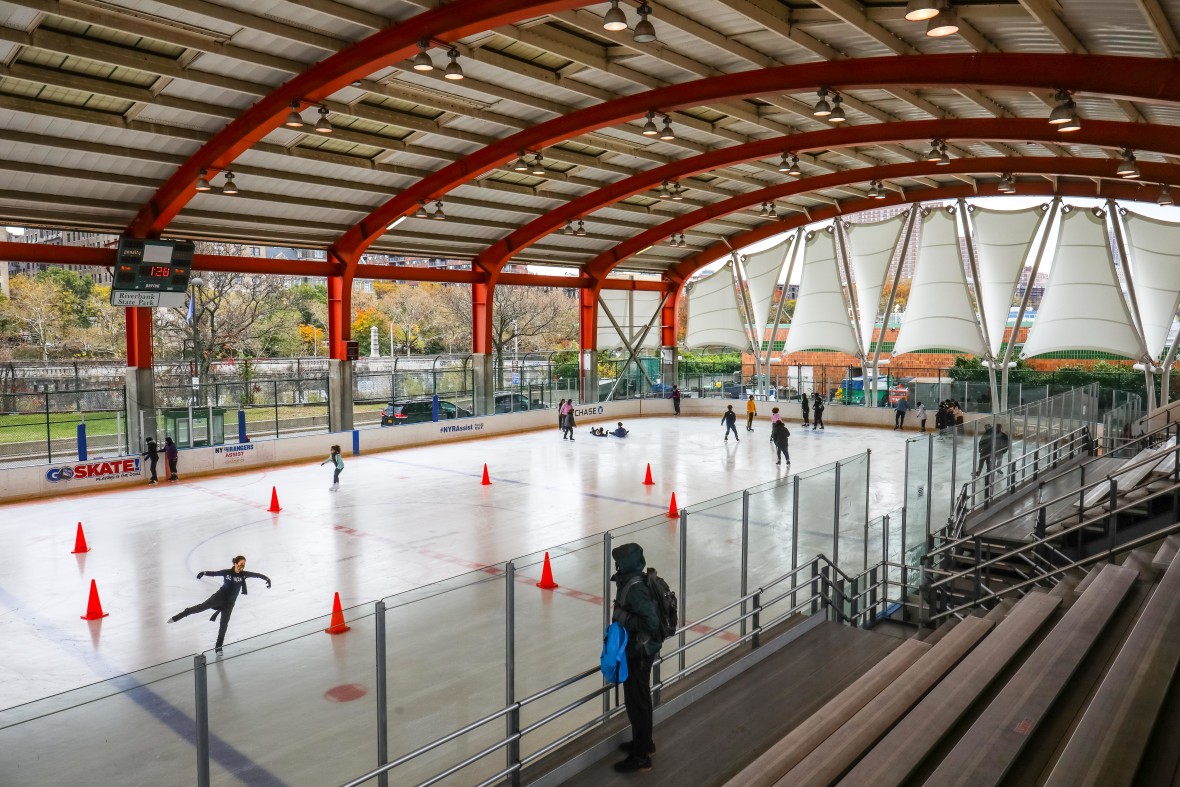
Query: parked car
{"points": [[419, 411], [512, 402]]}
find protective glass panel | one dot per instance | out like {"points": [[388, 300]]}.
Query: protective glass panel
{"points": [[853, 501], [772, 540], [67, 738], [267, 726], [714, 560], [943, 471], [817, 513], [916, 487], [462, 656]]}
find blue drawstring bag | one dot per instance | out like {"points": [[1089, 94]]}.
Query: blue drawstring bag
{"points": [[613, 661]]}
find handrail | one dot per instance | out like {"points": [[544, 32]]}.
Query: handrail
{"points": [[820, 578], [1064, 496]]}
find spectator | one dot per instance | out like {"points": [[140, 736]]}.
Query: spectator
{"points": [[1000, 443], [985, 452], [920, 414], [676, 399], [900, 409]]}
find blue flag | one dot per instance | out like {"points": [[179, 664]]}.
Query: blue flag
{"points": [[189, 319]]}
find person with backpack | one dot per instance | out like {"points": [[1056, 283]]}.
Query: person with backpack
{"points": [[338, 464], [637, 610]]}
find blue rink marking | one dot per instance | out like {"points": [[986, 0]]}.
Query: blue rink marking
{"points": [[161, 709]]}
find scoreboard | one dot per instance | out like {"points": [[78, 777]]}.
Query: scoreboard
{"points": [[152, 273]]}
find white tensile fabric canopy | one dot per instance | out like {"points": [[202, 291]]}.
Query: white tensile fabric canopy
{"points": [[1154, 250], [939, 312], [763, 271], [713, 316], [632, 310], [871, 248], [1083, 307], [1002, 242], [821, 320]]}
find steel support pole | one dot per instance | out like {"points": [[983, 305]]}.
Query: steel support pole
{"points": [[382, 687], [929, 482], [512, 720], [607, 607], [836, 520], [868, 483], [794, 538], [683, 585], [201, 717], [745, 554]]}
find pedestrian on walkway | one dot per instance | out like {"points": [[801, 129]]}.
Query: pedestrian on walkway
{"points": [[153, 456], [806, 410], [730, 421], [920, 414], [778, 435], [751, 411], [172, 456], [338, 464], [676, 399], [899, 411], [985, 451], [817, 410], [233, 582]]}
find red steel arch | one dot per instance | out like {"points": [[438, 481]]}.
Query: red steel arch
{"points": [[1089, 168], [1150, 80], [1138, 136], [448, 22]]}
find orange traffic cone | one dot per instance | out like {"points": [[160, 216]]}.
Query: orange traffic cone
{"points": [[647, 478], [80, 542], [94, 608], [547, 582], [486, 481], [673, 512], [274, 501], [337, 626]]}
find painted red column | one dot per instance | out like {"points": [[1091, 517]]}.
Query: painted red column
{"points": [[139, 337], [482, 293], [670, 315], [588, 339], [339, 314]]}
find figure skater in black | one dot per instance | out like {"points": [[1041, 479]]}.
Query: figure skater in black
{"points": [[222, 602]]}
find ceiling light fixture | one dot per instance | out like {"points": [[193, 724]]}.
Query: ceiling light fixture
{"points": [[1060, 113], [581, 229], [396, 222], [921, 10], [943, 158], [454, 71], [1075, 120], [422, 61], [614, 20], [1165, 197], [1127, 167], [293, 118], [873, 189], [521, 165], [438, 214], [569, 228], [677, 193], [230, 188], [773, 211], [784, 164], [837, 115], [323, 125], [649, 128], [794, 171], [763, 211], [682, 243], [421, 213], [645, 31], [944, 23], [666, 133], [203, 183], [822, 107], [882, 193], [538, 164], [672, 240], [934, 154], [664, 193]]}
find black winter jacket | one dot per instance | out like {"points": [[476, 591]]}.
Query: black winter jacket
{"points": [[637, 613]]}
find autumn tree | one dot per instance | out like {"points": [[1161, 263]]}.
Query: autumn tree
{"points": [[39, 308]]}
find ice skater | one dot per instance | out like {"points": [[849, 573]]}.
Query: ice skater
{"points": [[817, 410], [173, 456], [778, 436], [730, 421], [751, 411], [338, 463], [152, 454], [222, 601]]}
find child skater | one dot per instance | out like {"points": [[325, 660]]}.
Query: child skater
{"points": [[338, 463], [222, 602]]}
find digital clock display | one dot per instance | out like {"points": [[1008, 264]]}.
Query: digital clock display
{"points": [[159, 271]]}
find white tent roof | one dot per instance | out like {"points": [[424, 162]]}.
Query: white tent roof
{"points": [[713, 317], [1083, 307], [763, 271], [871, 248], [1002, 241], [1154, 251], [939, 312], [821, 320], [632, 310]]}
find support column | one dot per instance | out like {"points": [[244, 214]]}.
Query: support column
{"points": [[588, 341], [482, 347], [339, 367], [140, 403], [669, 347]]}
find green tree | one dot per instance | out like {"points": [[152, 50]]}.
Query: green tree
{"points": [[76, 290], [39, 309]]}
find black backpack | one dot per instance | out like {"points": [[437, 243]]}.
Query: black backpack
{"points": [[667, 608]]}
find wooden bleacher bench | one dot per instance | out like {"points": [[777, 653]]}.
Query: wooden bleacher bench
{"points": [[989, 748], [1107, 745], [910, 742]]}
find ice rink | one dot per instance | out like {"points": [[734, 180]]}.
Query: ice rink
{"points": [[401, 519]]}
